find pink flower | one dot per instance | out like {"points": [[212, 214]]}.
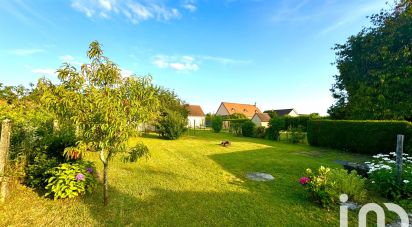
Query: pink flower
{"points": [[80, 177], [304, 180]]}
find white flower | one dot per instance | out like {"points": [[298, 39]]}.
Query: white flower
{"points": [[373, 182], [393, 153], [405, 181]]}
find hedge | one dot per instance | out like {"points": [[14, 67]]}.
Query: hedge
{"points": [[364, 137]]}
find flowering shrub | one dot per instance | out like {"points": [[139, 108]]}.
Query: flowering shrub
{"points": [[382, 175], [69, 180], [327, 184]]}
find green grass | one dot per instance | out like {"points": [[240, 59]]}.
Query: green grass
{"points": [[192, 181]]}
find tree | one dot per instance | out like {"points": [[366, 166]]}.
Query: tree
{"points": [[105, 107], [172, 120], [217, 123], [375, 69]]}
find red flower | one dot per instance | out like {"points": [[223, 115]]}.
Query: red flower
{"points": [[304, 180]]}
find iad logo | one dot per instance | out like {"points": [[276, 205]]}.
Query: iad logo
{"points": [[380, 213]]}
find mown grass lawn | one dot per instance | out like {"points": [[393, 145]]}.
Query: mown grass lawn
{"points": [[192, 182]]}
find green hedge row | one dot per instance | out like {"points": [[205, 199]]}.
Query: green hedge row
{"points": [[365, 137]]}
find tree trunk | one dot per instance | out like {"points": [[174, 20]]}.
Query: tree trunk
{"points": [[105, 176], [105, 184]]}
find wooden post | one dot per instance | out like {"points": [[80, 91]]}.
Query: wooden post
{"points": [[399, 157], [4, 155]]}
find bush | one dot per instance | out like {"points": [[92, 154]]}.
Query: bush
{"points": [[367, 137], [217, 123], [37, 172], [327, 185], [171, 125], [383, 179], [236, 125], [296, 135], [69, 180], [248, 128], [276, 124], [260, 132]]}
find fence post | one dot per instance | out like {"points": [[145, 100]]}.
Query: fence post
{"points": [[399, 157], [4, 155]]}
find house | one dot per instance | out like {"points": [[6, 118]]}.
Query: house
{"points": [[227, 108], [261, 119], [196, 116], [283, 112]]}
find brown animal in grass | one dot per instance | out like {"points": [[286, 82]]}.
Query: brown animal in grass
{"points": [[225, 143]]}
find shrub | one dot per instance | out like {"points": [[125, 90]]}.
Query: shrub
{"points": [[69, 180], [296, 135], [171, 125], [382, 175], [248, 128], [260, 132], [236, 125], [217, 123], [327, 185], [368, 137], [276, 124], [37, 172]]}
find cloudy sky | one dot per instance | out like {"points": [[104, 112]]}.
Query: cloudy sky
{"points": [[276, 53]]}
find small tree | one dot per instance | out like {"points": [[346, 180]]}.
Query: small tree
{"points": [[248, 128], [275, 126], [105, 107], [217, 123], [172, 125]]}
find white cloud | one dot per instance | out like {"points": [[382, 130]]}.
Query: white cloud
{"points": [[135, 11], [67, 58], [45, 71], [359, 12], [71, 60], [126, 72], [190, 5], [191, 63], [224, 61], [26, 52], [181, 64]]}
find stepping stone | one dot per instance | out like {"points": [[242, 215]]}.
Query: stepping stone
{"points": [[256, 176]]}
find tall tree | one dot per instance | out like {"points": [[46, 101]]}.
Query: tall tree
{"points": [[375, 69], [105, 107]]}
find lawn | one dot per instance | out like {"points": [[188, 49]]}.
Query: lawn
{"points": [[192, 182]]}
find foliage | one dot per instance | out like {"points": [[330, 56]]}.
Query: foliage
{"points": [[367, 137], [37, 171], [135, 153], [105, 107], [69, 180], [374, 66], [350, 184], [171, 125], [235, 125], [208, 120], [275, 126], [382, 175], [296, 134], [260, 132], [237, 116], [327, 185], [248, 128], [217, 124]]}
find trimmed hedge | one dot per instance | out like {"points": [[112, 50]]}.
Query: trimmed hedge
{"points": [[364, 137]]}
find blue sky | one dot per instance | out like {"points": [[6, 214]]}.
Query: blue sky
{"points": [[276, 53]]}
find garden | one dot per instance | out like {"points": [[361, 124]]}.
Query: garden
{"points": [[193, 181], [77, 152]]}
